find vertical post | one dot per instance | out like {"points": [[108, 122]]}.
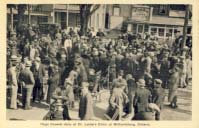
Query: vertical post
{"points": [[11, 18], [53, 13], [165, 32], [67, 15], [29, 16], [185, 25]]}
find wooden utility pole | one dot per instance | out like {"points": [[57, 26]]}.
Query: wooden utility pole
{"points": [[11, 18], [67, 16], [29, 16], [186, 20]]}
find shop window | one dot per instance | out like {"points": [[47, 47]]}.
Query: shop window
{"points": [[161, 32], [140, 28], [134, 28], [153, 31], [169, 32], [146, 28], [116, 11], [42, 19]]}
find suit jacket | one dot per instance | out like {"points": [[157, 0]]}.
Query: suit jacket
{"points": [[86, 107], [141, 99], [38, 74], [26, 76], [158, 96]]}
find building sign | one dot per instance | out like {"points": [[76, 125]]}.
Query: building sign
{"points": [[174, 13], [141, 13]]}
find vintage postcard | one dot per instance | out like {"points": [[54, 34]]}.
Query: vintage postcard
{"points": [[99, 64]]}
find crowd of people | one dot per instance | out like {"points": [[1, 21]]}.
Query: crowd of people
{"points": [[66, 66]]}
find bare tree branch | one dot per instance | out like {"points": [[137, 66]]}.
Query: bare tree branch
{"points": [[96, 6]]}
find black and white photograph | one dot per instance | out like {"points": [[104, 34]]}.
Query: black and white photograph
{"points": [[121, 62]]}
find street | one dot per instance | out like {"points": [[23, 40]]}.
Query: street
{"points": [[183, 112]]}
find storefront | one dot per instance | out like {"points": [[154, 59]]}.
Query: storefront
{"points": [[142, 21]]}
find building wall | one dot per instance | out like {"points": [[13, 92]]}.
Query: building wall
{"points": [[97, 19]]}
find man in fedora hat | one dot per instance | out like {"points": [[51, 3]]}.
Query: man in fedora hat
{"points": [[38, 72], [142, 97], [86, 103], [120, 80], [27, 81], [12, 82], [158, 95]]}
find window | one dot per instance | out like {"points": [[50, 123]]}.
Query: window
{"points": [[177, 7], [116, 11], [42, 19], [163, 9], [134, 28], [146, 28], [140, 28], [160, 31], [153, 31], [169, 32]]}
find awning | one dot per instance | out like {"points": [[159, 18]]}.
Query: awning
{"points": [[169, 21], [162, 21]]}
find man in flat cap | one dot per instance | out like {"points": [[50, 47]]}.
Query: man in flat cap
{"points": [[142, 97], [86, 103], [27, 81]]}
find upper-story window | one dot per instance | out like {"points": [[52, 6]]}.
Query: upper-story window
{"points": [[116, 11], [160, 9], [178, 7]]}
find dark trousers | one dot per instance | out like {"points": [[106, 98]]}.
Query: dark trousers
{"points": [[26, 96], [38, 93], [66, 113]]}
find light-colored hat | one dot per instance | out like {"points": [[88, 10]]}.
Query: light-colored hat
{"points": [[85, 84], [37, 59], [141, 82], [28, 63], [14, 58], [158, 81], [185, 48], [92, 72], [58, 35], [12, 33], [68, 81], [182, 57], [63, 55]]}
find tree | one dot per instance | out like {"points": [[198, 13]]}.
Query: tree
{"points": [[186, 20], [86, 10], [21, 10], [11, 6]]}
